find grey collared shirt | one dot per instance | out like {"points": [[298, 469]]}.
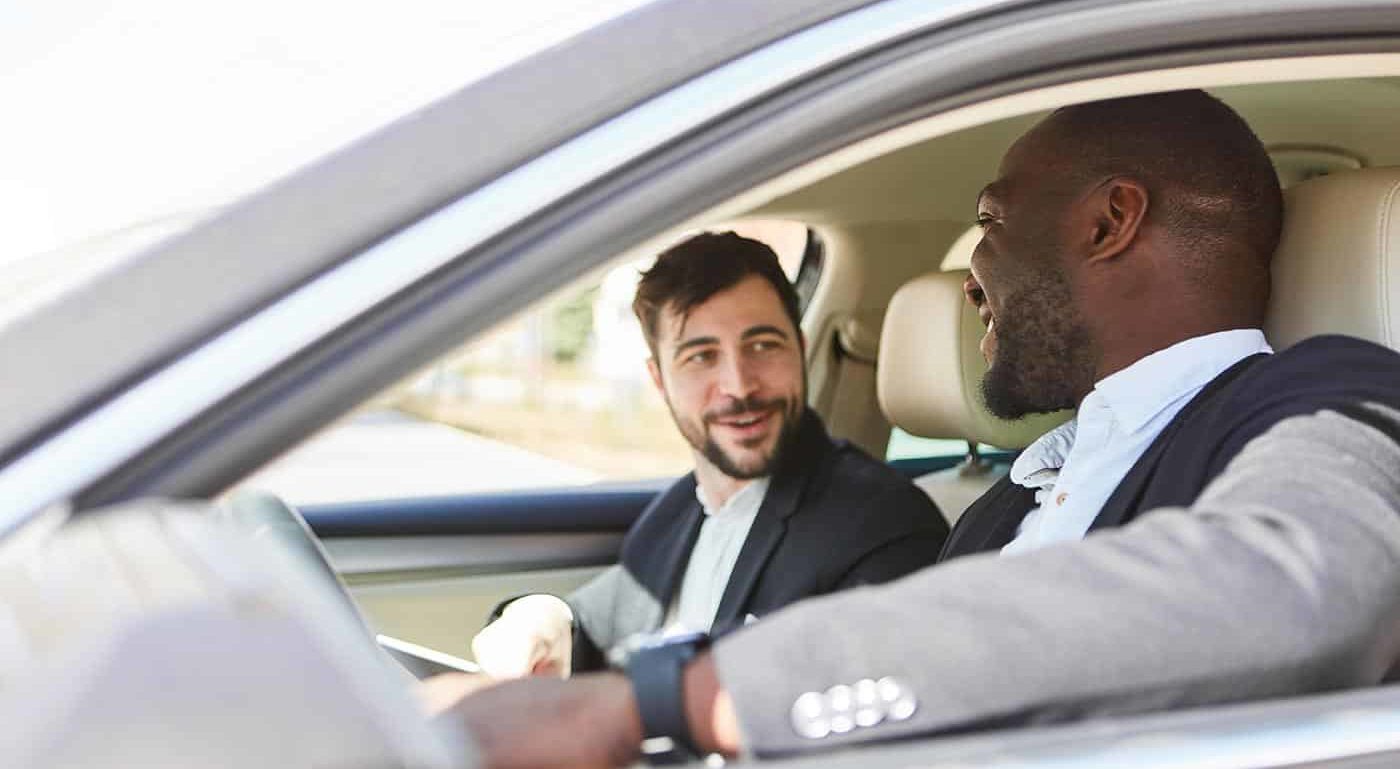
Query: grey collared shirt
{"points": [[712, 560]]}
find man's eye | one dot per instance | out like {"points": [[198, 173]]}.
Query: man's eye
{"points": [[703, 356], [984, 221], [764, 345]]}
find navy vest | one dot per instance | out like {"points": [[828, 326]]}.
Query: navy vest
{"points": [[1326, 372]]}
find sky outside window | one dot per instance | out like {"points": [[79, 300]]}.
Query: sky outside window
{"points": [[127, 122]]}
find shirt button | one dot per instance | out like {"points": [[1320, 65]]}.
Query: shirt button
{"points": [[1061, 497]]}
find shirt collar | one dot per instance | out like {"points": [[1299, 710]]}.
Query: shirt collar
{"points": [[1039, 464], [749, 495], [1141, 391]]}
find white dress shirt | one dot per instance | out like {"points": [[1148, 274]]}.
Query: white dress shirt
{"points": [[1075, 467], [722, 536]]}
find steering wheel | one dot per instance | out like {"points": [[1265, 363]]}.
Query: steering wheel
{"points": [[266, 517]]}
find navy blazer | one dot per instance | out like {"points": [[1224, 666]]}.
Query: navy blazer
{"points": [[833, 518]]}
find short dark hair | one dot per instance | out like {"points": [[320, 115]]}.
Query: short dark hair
{"points": [[1209, 173], [687, 274]]}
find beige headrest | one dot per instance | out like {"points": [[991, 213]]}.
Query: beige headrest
{"points": [[1337, 268], [930, 367]]}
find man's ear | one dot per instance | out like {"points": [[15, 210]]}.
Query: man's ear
{"points": [[1119, 207], [655, 372]]}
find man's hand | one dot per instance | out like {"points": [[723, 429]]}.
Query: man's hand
{"points": [[441, 692], [590, 721], [532, 637]]}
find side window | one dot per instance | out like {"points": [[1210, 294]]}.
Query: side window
{"points": [[905, 446], [557, 396]]}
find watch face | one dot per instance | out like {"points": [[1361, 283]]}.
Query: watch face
{"points": [[619, 654]]}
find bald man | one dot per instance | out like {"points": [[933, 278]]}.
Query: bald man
{"points": [[1123, 270]]}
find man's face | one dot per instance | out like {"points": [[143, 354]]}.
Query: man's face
{"points": [[1038, 350], [732, 374]]}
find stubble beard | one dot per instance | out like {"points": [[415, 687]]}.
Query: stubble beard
{"points": [[699, 437], [1044, 354]]}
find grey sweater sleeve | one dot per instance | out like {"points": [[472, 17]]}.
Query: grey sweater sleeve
{"points": [[1283, 578]]}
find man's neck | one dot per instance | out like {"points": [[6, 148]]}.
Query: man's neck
{"points": [[717, 487], [1129, 348]]}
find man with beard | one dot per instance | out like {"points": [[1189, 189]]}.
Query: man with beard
{"points": [[1124, 269], [774, 512]]}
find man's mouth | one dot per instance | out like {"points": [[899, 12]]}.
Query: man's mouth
{"points": [[746, 426]]}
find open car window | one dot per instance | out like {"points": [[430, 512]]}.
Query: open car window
{"points": [[557, 396], [199, 106]]}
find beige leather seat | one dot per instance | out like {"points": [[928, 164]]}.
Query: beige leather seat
{"points": [[1337, 268], [928, 379]]}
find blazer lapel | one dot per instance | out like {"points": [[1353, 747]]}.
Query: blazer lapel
{"points": [[767, 531], [655, 555], [808, 456], [663, 577]]}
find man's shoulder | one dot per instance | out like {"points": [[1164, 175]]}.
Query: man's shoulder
{"points": [[1320, 373], [850, 476], [669, 505], [1327, 364], [1338, 346]]}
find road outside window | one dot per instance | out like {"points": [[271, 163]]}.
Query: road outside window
{"points": [[558, 396]]}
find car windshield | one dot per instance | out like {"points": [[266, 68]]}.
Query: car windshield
{"points": [[126, 123]]}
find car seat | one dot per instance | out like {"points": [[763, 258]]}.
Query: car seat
{"points": [[930, 367]]}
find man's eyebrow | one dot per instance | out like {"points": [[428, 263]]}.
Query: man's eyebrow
{"points": [[760, 330], [992, 190], [698, 341]]}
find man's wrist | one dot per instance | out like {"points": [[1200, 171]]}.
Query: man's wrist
{"points": [[626, 714], [656, 671], [714, 724]]}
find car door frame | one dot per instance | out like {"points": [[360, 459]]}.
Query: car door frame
{"points": [[196, 425]]}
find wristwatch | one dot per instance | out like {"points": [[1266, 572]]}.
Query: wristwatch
{"points": [[654, 666]]}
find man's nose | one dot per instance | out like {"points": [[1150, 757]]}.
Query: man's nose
{"points": [[737, 377]]}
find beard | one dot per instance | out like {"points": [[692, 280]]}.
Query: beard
{"points": [[699, 437], [1044, 355]]}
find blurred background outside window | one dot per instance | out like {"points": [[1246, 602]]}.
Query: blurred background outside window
{"points": [[557, 396]]}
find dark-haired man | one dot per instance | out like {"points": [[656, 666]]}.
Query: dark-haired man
{"points": [[775, 511], [1118, 235]]}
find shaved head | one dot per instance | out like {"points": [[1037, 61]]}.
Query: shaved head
{"points": [[1214, 190], [1116, 229]]}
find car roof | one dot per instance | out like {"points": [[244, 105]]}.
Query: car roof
{"points": [[134, 318]]}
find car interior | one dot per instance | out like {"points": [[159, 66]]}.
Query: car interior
{"points": [[891, 341]]}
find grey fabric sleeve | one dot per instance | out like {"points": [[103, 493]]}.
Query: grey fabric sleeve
{"points": [[594, 605], [608, 609], [1283, 578]]}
